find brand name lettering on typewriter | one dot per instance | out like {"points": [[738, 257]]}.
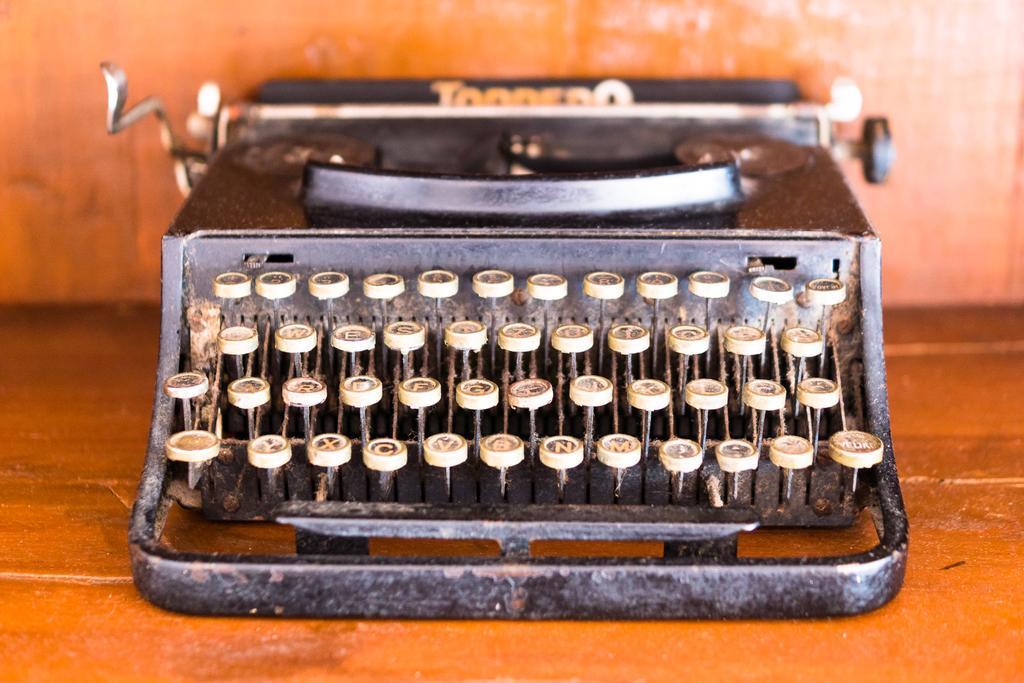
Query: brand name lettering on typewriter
{"points": [[458, 94]]}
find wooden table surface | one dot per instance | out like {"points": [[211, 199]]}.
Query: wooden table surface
{"points": [[75, 392]]}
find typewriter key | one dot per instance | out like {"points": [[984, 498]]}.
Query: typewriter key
{"points": [[816, 394], [519, 338], [420, 393], [547, 287], [493, 285], [744, 342], [531, 394], [385, 456], [501, 451], [362, 392], [589, 392], [734, 457], [438, 285], [274, 286], [353, 339], [476, 395], [268, 454], [790, 452], [305, 393], [248, 394], [687, 340], [604, 287], [327, 287], [195, 447], [772, 292], [762, 395], [824, 292], [561, 453], [446, 450], [647, 396], [383, 287], [237, 341], [680, 457], [620, 452], [231, 288], [628, 340], [856, 450], [801, 343], [571, 339], [708, 285], [656, 287], [295, 339], [705, 395], [329, 451], [405, 336], [186, 386]]}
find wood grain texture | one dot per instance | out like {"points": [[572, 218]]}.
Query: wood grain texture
{"points": [[75, 395], [81, 214]]}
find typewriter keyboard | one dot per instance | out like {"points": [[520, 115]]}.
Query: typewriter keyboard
{"points": [[606, 388]]}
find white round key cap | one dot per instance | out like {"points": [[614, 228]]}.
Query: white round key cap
{"points": [[476, 394], [248, 393], [648, 394], [619, 450], [329, 450], [419, 392], [656, 285], [825, 292], [817, 392], [493, 284], [232, 285], [561, 452], [465, 335], [547, 287], [295, 338], [764, 394], [353, 338], [238, 340], [690, 340], [603, 285], [304, 392], [194, 445], [530, 394], [791, 452], [445, 450], [590, 391], [438, 284], [186, 385], [385, 455], [680, 455], [736, 455], [269, 451], [708, 285], [744, 340], [628, 339], [328, 285], [383, 286], [361, 391], [572, 338], [855, 449], [801, 342], [502, 450], [771, 290], [405, 336], [518, 337], [275, 284], [706, 394]]}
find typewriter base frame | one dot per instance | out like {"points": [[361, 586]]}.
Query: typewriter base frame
{"points": [[708, 582]]}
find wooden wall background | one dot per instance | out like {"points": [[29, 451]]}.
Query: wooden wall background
{"points": [[81, 214]]}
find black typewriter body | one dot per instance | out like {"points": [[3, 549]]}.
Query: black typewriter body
{"points": [[367, 178]]}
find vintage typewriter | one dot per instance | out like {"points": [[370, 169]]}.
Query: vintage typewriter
{"points": [[569, 312]]}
